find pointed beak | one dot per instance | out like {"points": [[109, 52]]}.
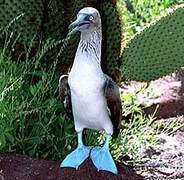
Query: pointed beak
{"points": [[78, 24]]}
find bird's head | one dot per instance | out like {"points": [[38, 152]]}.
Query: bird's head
{"points": [[88, 20]]}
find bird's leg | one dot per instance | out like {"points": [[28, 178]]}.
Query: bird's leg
{"points": [[102, 158], [78, 156], [79, 138]]}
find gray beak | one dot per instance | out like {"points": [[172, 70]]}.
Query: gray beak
{"points": [[78, 24]]}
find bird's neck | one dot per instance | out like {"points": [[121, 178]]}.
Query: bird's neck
{"points": [[90, 44]]}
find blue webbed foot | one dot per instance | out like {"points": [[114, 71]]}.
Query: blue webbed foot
{"points": [[103, 160], [77, 157]]}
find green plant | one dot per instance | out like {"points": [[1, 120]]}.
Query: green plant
{"points": [[140, 132], [157, 50], [139, 13], [28, 25], [32, 120], [137, 133], [112, 37]]}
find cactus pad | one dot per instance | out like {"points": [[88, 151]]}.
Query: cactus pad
{"points": [[112, 39], [23, 18], [157, 50]]}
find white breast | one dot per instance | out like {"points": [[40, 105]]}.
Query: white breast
{"points": [[86, 81], [86, 75]]}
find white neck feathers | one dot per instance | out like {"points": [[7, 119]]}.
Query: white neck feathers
{"points": [[90, 44]]}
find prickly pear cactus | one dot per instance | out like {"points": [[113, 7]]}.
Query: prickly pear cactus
{"points": [[23, 18], [54, 23], [158, 50], [112, 39], [71, 42]]}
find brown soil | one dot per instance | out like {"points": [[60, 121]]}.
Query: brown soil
{"points": [[164, 96], [171, 99], [19, 167], [166, 159]]}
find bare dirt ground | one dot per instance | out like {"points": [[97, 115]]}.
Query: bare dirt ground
{"points": [[19, 167], [166, 100], [166, 160]]}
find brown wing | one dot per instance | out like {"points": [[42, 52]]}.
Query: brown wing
{"points": [[65, 94], [112, 95]]}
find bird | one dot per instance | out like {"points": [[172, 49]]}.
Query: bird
{"points": [[91, 96]]}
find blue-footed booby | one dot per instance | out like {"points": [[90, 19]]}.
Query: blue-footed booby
{"points": [[91, 96]]}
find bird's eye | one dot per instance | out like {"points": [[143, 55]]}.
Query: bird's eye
{"points": [[91, 18]]}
